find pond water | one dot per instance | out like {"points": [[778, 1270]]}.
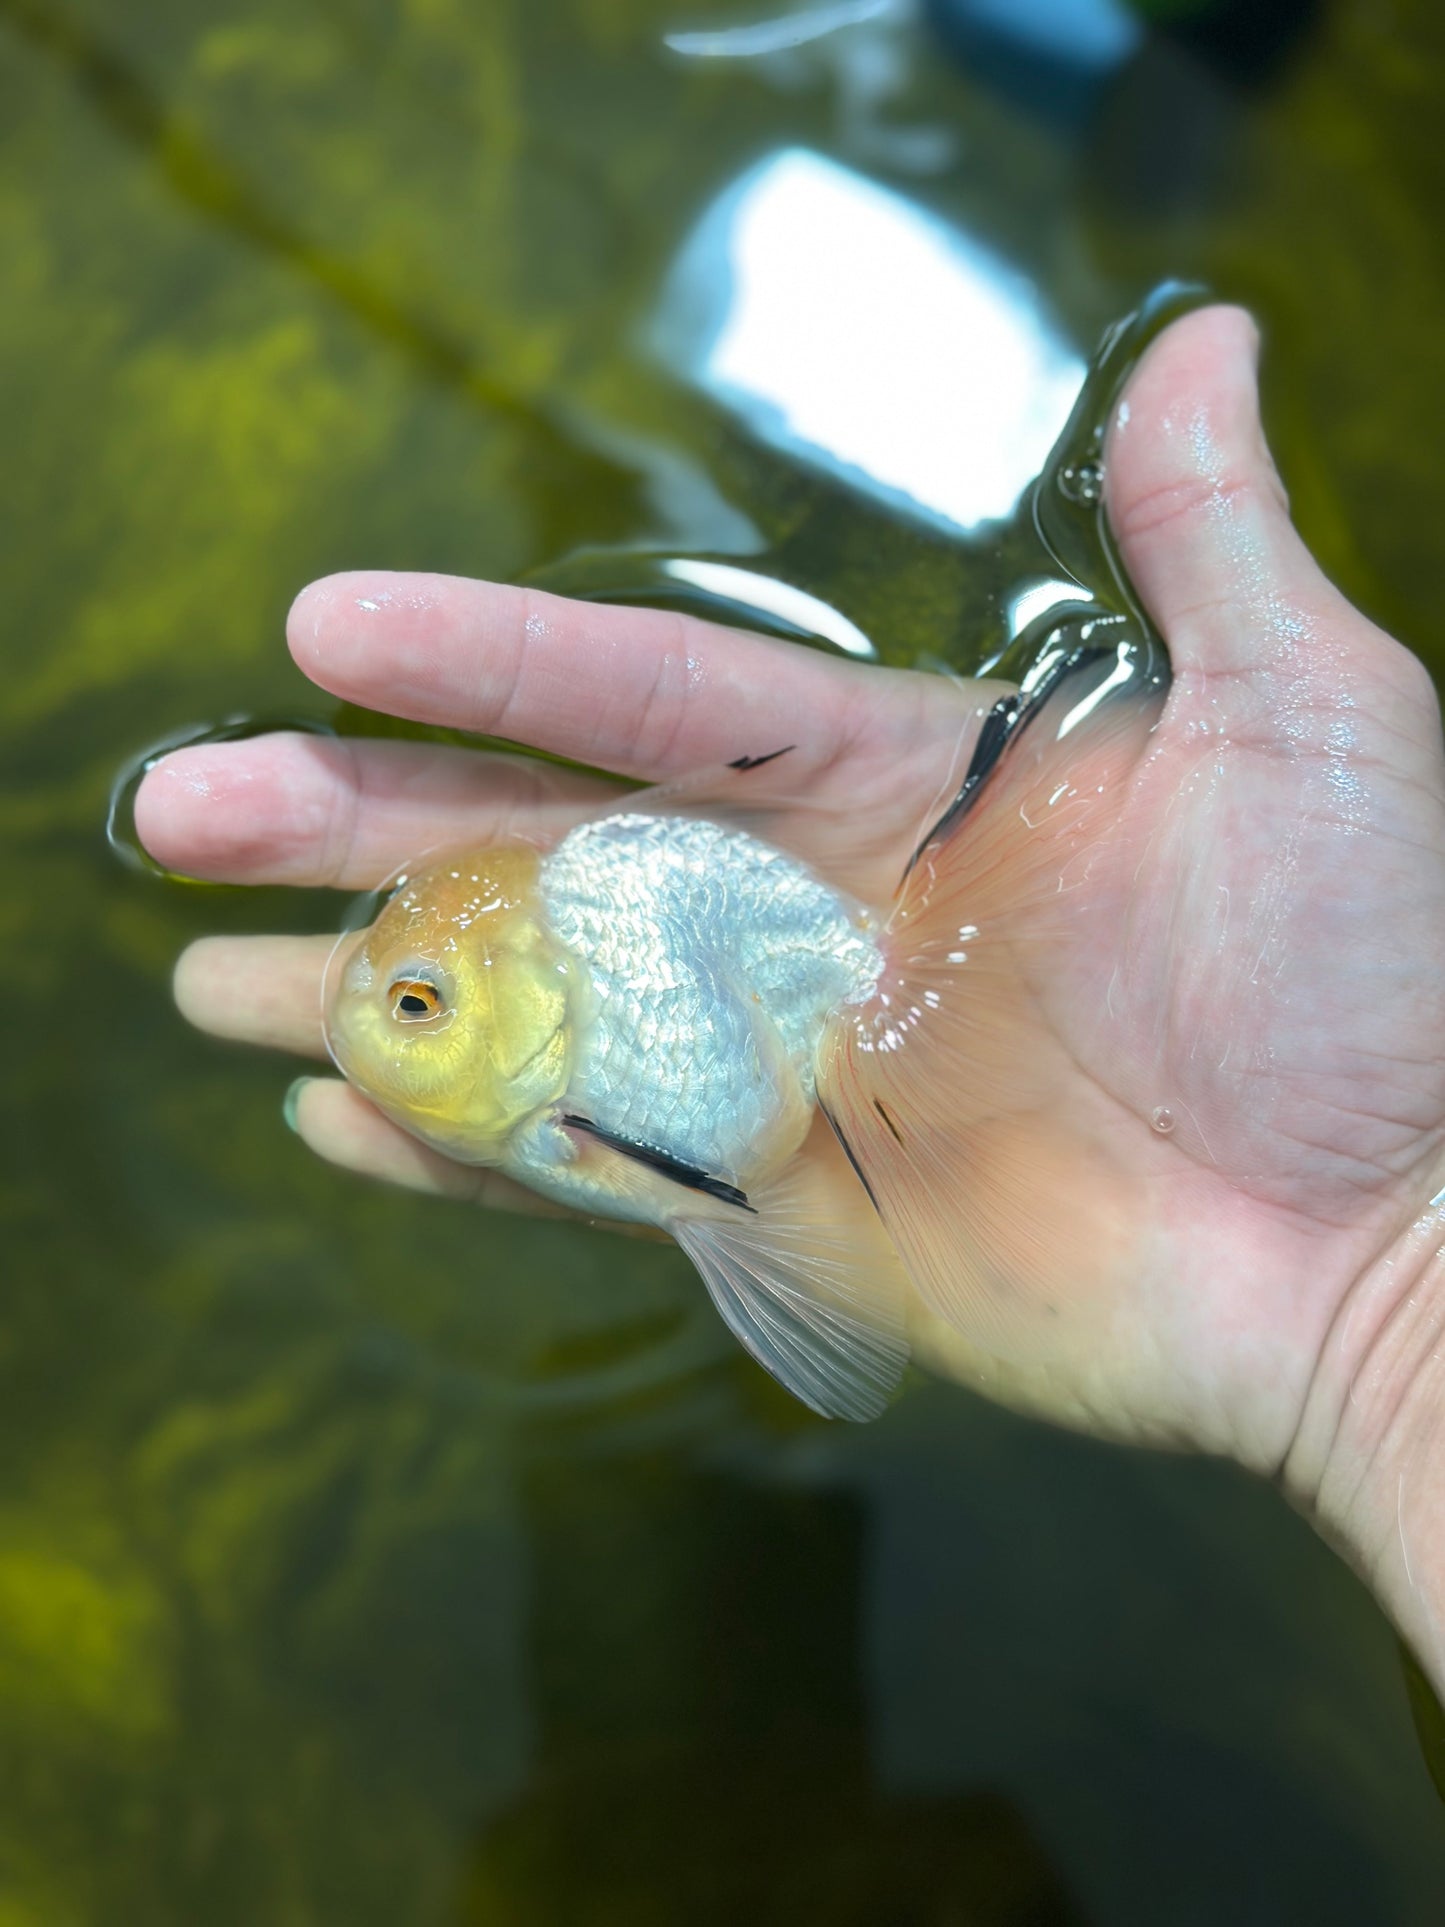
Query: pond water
{"points": [[362, 1560]]}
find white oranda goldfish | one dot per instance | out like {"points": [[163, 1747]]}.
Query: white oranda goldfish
{"points": [[667, 1018]]}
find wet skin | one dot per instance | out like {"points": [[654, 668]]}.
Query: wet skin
{"points": [[1259, 952]]}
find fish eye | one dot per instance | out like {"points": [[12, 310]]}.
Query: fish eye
{"points": [[413, 1000]]}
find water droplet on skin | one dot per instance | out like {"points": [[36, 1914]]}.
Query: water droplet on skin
{"points": [[1082, 483], [1162, 1120]]}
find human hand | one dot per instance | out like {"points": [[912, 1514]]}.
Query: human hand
{"points": [[1259, 948]]}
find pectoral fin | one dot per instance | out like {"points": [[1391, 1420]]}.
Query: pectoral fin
{"points": [[692, 1177], [808, 1282]]}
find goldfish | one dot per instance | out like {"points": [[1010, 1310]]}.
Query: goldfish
{"points": [[671, 1017]]}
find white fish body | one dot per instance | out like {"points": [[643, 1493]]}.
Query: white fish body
{"points": [[710, 965]]}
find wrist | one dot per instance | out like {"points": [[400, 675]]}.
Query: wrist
{"points": [[1367, 1463]]}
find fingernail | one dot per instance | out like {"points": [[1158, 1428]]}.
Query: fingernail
{"points": [[290, 1103]]}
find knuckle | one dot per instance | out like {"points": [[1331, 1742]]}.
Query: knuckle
{"points": [[1181, 501], [666, 704]]}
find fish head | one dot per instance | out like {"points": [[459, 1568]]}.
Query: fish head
{"points": [[452, 1011]]}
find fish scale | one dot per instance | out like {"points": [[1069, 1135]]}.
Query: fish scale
{"points": [[703, 946]]}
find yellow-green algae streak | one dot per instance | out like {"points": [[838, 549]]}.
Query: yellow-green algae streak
{"points": [[359, 1564]]}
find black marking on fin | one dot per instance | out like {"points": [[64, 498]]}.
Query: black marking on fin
{"points": [[893, 1128], [1008, 718], [756, 762], [848, 1153], [691, 1176]]}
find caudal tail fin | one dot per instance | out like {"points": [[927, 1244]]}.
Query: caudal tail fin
{"points": [[954, 1089]]}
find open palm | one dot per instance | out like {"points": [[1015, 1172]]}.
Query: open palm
{"points": [[1248, 1017]]}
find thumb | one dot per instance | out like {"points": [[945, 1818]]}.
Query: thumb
{"points": [[1200, 514]]}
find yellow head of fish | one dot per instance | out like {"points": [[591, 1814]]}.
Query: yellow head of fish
{"points": [[451, 1013]]}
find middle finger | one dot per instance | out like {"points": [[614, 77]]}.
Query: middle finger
{"points": [[343, 812]]}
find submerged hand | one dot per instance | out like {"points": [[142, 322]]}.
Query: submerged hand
{"points": [[1259, 956]]}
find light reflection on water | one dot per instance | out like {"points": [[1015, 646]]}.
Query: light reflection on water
{"points": [[746, 589], [849, 327]]}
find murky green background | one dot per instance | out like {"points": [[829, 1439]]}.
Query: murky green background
{"points": [[365, 1561]]}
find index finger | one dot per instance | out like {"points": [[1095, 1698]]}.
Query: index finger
{"points": [[645, 692]]}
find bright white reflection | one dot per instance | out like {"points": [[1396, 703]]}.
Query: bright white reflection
{"points": [[846, 324], [1120, 674], [1038, 598], [777, 34], [766, 594]]}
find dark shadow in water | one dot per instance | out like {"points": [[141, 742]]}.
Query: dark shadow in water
{"points": [[1429, 1717], [1153, 96], [704, 1744], [1250, 43]]}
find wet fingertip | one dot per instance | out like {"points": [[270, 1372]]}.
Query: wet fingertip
{"points": [[205, 812], [165, 802], [1222, 316], [291, 1103], [1192, 360], [307, 618], [189, 979], [1254, 338], [186, 769]]}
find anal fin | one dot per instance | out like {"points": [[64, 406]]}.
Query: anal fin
{"points": [[809, 1283]]}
